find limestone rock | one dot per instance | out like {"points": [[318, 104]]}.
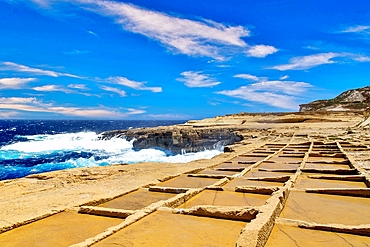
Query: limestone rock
{"points": [[178, 139], [354, 99]]}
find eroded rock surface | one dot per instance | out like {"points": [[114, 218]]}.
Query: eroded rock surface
{"points": [[178, 139], [354, 99]]}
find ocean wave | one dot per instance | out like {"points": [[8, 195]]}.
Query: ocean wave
{"points": [[40, 153]]}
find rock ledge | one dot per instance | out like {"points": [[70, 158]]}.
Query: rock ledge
{"points": [[177, 139]]}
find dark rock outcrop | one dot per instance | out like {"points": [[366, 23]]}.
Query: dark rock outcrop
{"points": [[177, 139], [351, 100]]}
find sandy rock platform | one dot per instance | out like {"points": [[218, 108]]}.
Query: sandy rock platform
{"points": [[296, 179]]}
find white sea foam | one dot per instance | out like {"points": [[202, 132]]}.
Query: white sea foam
{"points": [[113, 151], [83, 141]]}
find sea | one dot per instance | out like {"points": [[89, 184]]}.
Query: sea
{"points": [[35, 146]]}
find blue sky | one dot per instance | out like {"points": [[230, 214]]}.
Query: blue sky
{"points": [[162, 59]]}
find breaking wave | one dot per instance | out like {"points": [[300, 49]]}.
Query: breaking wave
{"points": [[29, 154]]}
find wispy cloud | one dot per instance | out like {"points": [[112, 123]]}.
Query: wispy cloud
{"points": [[281, 94], [8, 114], [76, 52], [42, 3], [92, 33], [261, 51], [22, 104], [310, 61], [52, 88], [197, 79], [248, 77], [75, 111], [357, 29], [17, 104], [118, 91], [15, 83], [286, 87], [360, 58], [200, 37], [133, 111], [78, 86], [169, 116], [133, 84], [36, 71], [195, 38], [70, 89], [306, 62], [17, 100]]}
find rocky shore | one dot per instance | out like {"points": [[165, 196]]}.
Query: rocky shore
{"points": [[286, 179], [197, 135], [178, 139]]}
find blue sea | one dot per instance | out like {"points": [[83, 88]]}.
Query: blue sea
{"points": [[35, 146]]}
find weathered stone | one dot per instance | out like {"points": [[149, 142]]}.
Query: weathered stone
{"points": [[354, 99], [178, 139]]}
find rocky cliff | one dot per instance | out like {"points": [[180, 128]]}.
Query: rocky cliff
{"points": [[177, 139], [351, 100]]}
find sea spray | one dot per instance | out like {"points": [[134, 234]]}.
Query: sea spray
{"points": [[29, 154]]}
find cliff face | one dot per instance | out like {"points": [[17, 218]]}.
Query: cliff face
{"points": [[351, 100], [177, 139]]}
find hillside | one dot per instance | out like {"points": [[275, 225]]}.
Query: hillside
{"points": [[351, 100]]}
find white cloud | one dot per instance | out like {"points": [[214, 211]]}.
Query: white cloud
{"points": [[287, 87], [306, 62], [284, 77], [95, 113], [196, 79], [14, 83], [357, 29], [72, 89], [195, 38], [76, 52], [281, 94], [133, 84], [92, 33], [15, 105], [132, 111], [8, 114], [200, 37], [52, 88], [16, 100], [36, 71], [277, 100], [22, 104], [361, 58], [248, 77], [42, 3], [114, 90], [261, 51], [263, 84], [78, 86], [310, 61], [169, 116]]}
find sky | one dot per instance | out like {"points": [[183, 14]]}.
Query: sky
{"points": [[180, 60]]}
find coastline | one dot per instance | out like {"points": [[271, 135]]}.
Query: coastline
{"points": [[37, 196]]}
